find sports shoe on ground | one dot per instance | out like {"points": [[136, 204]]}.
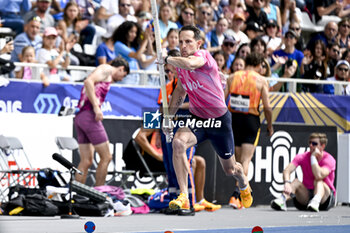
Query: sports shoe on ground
{"points": [[279, 204], [197, 207], [209, 206], [181, 202], [246, 197], [235, 203], [121, 209], [313, 206]]}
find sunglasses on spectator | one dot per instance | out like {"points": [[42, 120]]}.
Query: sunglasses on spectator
{"points": [[294, 29], [167, 71], [206, 13], [336, 51], [125, 5], [289, 36], [188, 13], [271, 26], [229, 44], [258, 0], [263, 65], [313, 143], [343, 69], [345, 25]]}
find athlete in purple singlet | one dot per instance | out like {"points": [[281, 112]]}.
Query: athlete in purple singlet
{"points": [[199, 77], [88, 122]]}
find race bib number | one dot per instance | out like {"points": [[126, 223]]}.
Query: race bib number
{"points": [[239, 102]]}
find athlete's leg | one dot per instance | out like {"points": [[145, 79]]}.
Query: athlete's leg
{"points": [[183, 139], [246, 155], [322, 189], [86, 157], [300, 191], [105, 158], [198, 167]]}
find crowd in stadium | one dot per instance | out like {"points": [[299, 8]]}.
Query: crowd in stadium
{"points": [[93, 32]]}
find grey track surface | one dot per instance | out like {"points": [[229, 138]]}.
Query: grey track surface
{"points": [[225, 218]]}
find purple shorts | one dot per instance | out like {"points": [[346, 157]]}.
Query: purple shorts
{"points": [[88, 129]]}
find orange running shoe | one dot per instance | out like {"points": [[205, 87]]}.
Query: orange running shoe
{"points": [[181, 202], [235, 203], [246, 197], [197, 207], [210, 206]]}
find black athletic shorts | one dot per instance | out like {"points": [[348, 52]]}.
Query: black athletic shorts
{"points": [[245, 128]]}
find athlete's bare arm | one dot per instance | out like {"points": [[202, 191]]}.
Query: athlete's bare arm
{"points": [[101, 73], [142, 141], [186, 63], [266, 103], [177, 98], [228, 85]]}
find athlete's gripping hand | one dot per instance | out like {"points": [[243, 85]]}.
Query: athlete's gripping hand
{"points": [[98, 114], [168, 129]]}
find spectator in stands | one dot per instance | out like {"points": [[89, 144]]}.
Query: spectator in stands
{"points": [[187, 15], [253, 30], [344, 34], [75, 25], [327, 36], [258, 45], [144, 19], [290, 39], [30, 73], [41, 10], [341, 74], [52, 56], [256, 14], [236, 27], [107, 9], [166, 20], [296, 27], [8, 47], [30, 36], [219, 57], [88, 122], [217, 10], [333, 56], [217, 36], [237, 64], [326, 8], [265, 69], [273, 13], [129, 46], [287, 70], [11, 13], [316, 191], [148, 59], [105, 51], [272, 40], [289, 13], [314, 66], [346, 55], [228, 47], [173, 40], [124, 15], [235, 6], [243, 50], [204, 17]]}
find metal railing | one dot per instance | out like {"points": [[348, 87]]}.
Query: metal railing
{"points": [[86, 70]]}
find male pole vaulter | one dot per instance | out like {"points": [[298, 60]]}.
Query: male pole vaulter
{"points": [[199, 77]]}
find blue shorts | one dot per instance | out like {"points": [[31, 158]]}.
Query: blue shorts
{"points": [[88, 129], [221, 138]]}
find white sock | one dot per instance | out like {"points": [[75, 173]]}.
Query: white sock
{"points": [[317, 198], [245, 187], [283, 197], [200, 202]]}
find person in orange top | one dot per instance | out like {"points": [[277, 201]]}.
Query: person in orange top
{"points": [[245, 89]]}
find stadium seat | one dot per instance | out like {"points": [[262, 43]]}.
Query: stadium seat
{"points": [[307, 25]]}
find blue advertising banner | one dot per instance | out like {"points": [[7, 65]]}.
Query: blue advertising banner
{"points": [[33, 97]]}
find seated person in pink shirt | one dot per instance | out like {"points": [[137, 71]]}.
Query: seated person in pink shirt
{"points": [[316, 191]]}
